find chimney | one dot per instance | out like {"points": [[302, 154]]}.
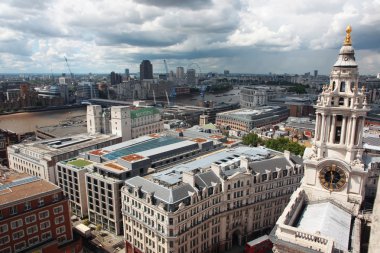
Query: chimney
{"points": [[188, 177]]}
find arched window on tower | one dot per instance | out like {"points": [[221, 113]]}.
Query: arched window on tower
{"points": [[333, 85], [342, 87], [352, 86]]}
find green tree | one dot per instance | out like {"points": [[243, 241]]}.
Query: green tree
{"points": [[282, 144], [252, 139]]}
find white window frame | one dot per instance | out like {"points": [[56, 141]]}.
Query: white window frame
{"points": [[4, 228], [58, 209], [18, 250], [42, 213], [28, 217], [34, 229], [16, 222], [59, 220], [6, 236], [36, 242], [17, 232], [44, 234], [45, 225], [6, 250], [60, 230]]}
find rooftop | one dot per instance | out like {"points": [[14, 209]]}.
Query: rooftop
{"points": [[141, 112], [132, 158], [329, 220], [79, 163], [246, 113], [57, 146], [18, 186]]}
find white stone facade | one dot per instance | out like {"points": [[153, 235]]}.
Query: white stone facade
{"points": [[208, 210]]}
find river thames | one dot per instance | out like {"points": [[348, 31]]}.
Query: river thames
{"points": [[27, 121]]}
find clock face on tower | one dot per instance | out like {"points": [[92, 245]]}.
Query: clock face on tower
{"points": [[332, 177]]}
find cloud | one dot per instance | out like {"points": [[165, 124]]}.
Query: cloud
{"points": [[244, 36]]}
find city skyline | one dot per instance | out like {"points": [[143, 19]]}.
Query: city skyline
{"points": [[241, 36]]}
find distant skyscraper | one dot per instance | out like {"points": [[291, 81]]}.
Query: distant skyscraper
{"points": [[226, 72], [146, 70], [115, 78], [315, 73], [190, 77], [180, 73], [127, 72]]}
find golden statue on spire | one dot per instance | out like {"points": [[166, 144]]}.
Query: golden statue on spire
{"points": [[347, 40]]}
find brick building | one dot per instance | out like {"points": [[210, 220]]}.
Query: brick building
{"points": [[34, 215]]}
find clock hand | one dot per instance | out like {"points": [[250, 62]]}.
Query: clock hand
{"points": [[331, 179]]}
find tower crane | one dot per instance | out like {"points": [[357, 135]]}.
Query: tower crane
{"points": [[68, 66]]}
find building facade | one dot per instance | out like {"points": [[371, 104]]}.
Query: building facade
{"points": [[252, 97], [210, 204], [247, 119], [146, 70], [33, 213], [124, 121], [39, 158], [322, 215]]}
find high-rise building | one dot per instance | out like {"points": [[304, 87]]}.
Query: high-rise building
{"points": [[180, 73], [322, 215], [190, 77], [315, 73], [115, 78], [126, 72], [226, 72], [146, 70], [34, 215]]}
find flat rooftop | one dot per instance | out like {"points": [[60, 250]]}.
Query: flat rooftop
{"points": [[328, 220], [245, 112], [141, 145], [18, 186], [57, 146], [174, 175]]}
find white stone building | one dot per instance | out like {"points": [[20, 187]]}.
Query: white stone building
{"points": [[209, 204], [39, 158], [124, 121], [322, 215], [253, 97]]}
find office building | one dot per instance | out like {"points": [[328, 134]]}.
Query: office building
{"points": [[39, 158], [180, 73], [34, 215], [247, 119], [92, 182], [146, 70], [322, 215], [115, 78], [253, 97], [210, 204], [124, 121], [190, 77]]}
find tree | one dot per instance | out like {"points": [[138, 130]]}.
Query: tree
{"points": [[252, 139], [282, 144], [86, 222]]}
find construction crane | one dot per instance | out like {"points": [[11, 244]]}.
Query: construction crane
{"points": [[68, 66]]}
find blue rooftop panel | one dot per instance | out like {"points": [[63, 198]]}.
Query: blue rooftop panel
{"points": [[147, 145]]}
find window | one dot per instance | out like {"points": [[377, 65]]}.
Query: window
{"points": [[58, 209], [45, 224], [30, 219], [4, 240], [6, 250], [19, 246], [60, 230], [59, 220], [32, 230], [55, 197], [16, 224], [13, 210], [41, 202], [33, 240], [43, 214], [61, 239], [18, 234], [46, 236], [28, 205], [3, 228]]}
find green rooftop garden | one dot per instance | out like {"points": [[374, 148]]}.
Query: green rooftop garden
{"points": [[79, 163]]}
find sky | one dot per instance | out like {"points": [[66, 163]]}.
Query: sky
{"points": [[243, 36]]}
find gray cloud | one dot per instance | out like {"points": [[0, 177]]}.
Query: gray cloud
{"points": [[177, 4]]}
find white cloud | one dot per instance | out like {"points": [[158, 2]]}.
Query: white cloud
{"points": [[100, 36]]}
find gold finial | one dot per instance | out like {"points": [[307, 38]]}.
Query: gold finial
{"points": [[347, 41]]}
